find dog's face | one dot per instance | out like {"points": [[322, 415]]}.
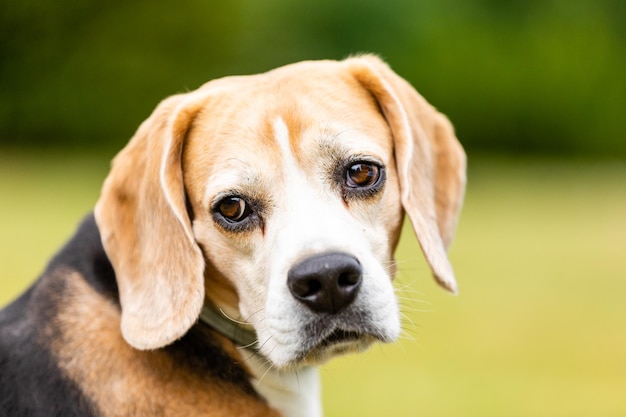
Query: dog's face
{"points": [[296, 204], [281, 197]]}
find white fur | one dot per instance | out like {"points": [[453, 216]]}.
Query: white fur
{"points": [[295, 393]]}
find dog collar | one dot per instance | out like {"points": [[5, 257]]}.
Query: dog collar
{"points": [[236, 331]]}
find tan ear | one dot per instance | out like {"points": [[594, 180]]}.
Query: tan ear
{"points": [[429, 159], [147, 233]]}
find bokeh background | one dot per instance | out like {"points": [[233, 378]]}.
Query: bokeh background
{"points": [[537, 92]]}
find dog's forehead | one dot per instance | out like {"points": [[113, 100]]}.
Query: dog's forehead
{"points": [[319, 95], [251, 125]]}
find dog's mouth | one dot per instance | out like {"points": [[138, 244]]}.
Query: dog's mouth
{"points": [[340, 336], [336, 343]]}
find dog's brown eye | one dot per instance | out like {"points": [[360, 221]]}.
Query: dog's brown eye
{"points": [[234, 209], [362, 175]]}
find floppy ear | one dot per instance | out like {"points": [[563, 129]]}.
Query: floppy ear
{"points": [[429, 159], [147, 233]]}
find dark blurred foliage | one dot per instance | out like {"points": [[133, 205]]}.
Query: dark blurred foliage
{"points": [[533, 76]]}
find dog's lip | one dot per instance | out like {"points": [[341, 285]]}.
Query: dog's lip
{"points": [[339, 341], [346, 333], [341, 336]]}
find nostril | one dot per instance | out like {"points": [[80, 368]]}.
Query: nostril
{"points": [[348, 279], [307, 288]]}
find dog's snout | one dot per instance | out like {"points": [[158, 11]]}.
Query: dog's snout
{"points": [[326, 283]]}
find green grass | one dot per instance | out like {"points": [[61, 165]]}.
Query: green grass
{"points": [[539, 328]]}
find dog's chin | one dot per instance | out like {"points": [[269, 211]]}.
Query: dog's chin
{"points": [[335, 346]]}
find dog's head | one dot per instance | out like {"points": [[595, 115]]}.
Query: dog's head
{"points": [[279, 198]]}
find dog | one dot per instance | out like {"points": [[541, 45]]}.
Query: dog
{"points": [[244, 236]]}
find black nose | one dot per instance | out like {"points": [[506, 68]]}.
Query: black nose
{"points": [[326, 283]]}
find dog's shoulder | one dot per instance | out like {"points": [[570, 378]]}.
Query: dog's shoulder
{"points": [[31, 381], [31, 384]]}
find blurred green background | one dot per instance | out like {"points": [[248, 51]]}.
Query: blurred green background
{"points": [[537, 92]]}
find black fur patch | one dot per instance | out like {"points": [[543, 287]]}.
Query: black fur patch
{"points": [[84, 254]]}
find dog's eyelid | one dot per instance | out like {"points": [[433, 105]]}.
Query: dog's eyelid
{"points": [[364, 158]]}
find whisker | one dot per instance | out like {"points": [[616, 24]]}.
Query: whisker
{"points": [[414, 300], [243, 323], [405, 317], [415, 309], [406, 336], [403, 337]]}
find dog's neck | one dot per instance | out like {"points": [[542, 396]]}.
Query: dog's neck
{"points": [[240, 333], [294, 392]]}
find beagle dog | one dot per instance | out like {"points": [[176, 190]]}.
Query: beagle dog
{"points": [[243, 236]]}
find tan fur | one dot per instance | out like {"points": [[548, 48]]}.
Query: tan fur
{"points": [[143, 205], [91, 351]]}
